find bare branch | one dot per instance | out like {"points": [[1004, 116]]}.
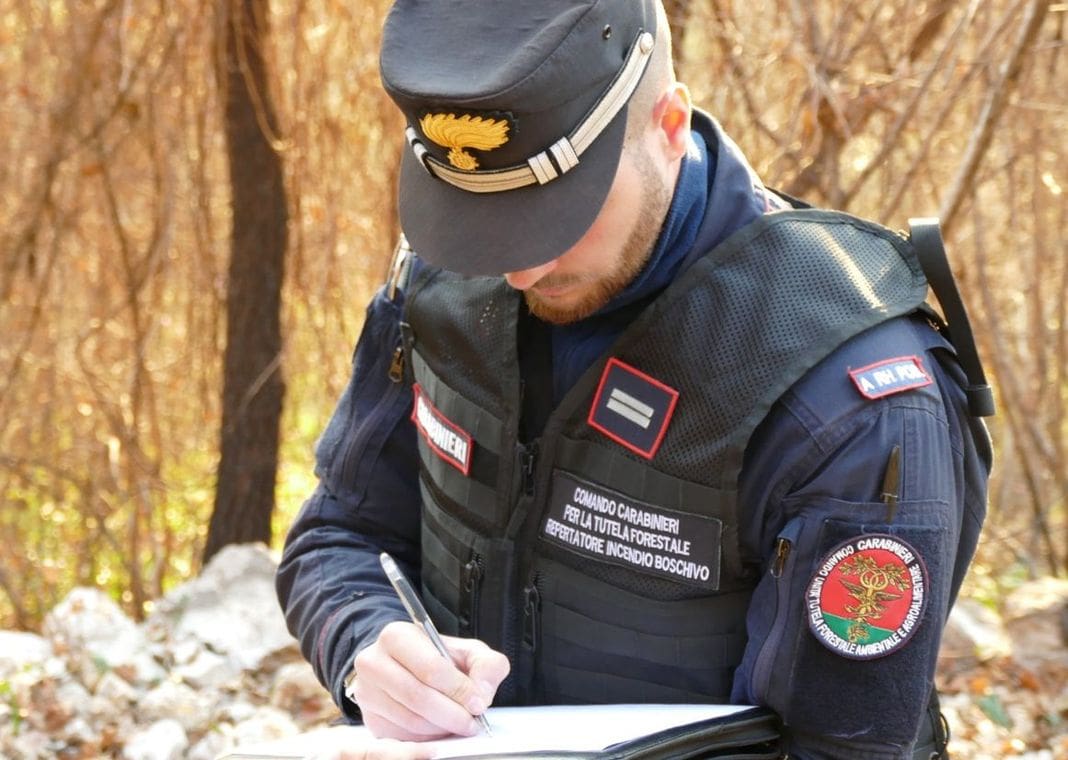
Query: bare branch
{"points": [[999, 96]]}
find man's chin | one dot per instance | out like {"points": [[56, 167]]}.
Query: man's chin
{"points": [[561, 313]]}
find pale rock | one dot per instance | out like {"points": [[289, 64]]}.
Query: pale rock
{"points": [[1038, 596], [186, 650], [237, 711], [297, 691], [231, 606], [116, 690], [974, 633], [163, 740], [79, 731], [87, 668], [176, 700], [102, 709], [88, 621], [74, 698], [160, 651], [209, 670], [19, 651], [1035, 617], [55, 667], [31, 745], [265, 724], [211, 746]]}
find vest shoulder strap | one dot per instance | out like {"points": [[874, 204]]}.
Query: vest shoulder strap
{"points": [[399, 268], [927, 242]]}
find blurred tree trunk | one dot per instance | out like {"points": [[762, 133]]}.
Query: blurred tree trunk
{"points": [[252, 381], [678, 12]]}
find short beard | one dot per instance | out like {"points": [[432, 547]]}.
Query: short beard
{"points": [[655, 200]]}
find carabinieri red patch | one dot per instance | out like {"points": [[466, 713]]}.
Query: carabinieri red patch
{"points": [[444, 437], [868, 596]]}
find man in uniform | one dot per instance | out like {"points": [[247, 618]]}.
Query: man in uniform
{"points": [[641, 430]]}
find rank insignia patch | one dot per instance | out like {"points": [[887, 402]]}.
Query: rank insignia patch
{"points": [[632, 408], [444, 437], [890, 376], [867, 597]]}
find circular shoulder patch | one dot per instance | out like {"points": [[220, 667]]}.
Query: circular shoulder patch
{"points": [[867, 596]]}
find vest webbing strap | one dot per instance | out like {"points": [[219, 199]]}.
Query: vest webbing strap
{"points": [[927, 241]]}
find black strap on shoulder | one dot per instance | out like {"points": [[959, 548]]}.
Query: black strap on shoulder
{"points": [[927, 242]]}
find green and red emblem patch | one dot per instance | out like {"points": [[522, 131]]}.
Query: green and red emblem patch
{"points": [[867, 596]]}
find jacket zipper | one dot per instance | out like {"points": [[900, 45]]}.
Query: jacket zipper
{"points": [[521, 626], [471, 583], [784, 544], [527, 662], [528, 460], [357, 444], [396, 364], [532, 616]]}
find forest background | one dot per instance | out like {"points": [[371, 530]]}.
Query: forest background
{"points": [[198, 200]]}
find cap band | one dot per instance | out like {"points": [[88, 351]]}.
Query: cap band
{"points": [[563, 155]]}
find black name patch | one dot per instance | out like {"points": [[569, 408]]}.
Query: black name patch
{"points": [[597, 522]]}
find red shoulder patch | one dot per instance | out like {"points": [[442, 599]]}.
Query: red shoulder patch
{"points": [[867, 597], [445, 438], [890, 376]]}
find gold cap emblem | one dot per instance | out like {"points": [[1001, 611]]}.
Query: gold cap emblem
{"points": [[458, 132]]}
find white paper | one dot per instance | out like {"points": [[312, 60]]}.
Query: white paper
{"points": [[514, 729], [574, 727]]}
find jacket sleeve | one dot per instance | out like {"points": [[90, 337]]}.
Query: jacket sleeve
{"points": [[335, 597], [848, 660]]}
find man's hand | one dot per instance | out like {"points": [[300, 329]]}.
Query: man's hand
{"points": [[407, 690]]}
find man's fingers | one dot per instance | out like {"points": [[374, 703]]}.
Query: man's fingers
{"points": [[395, 703], [407, 690], [386, 717], [412, 730], [446, 678], [413, 650], [485, 667], [404, 681]]}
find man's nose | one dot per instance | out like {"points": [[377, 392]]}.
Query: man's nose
{"points": [[524, 278]]}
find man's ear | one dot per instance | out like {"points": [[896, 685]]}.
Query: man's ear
{"points": [[672, 117]]}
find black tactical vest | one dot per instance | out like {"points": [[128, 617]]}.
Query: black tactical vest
{"points": [[603, 557]]}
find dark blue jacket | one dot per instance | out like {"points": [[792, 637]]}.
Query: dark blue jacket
{"points": [[823, 444]]}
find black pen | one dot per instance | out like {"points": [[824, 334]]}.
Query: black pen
{"points": [[892, 483], [419, 616]]}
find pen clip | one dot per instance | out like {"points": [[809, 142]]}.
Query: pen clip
{"points": [[892, 483]]}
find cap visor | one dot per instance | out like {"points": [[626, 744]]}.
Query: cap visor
{"points": [[512, 230]]}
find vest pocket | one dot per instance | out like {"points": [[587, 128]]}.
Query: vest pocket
{"points": [[858, 611], [459, 449], [782, 571], [451, 570], [593, 642]]}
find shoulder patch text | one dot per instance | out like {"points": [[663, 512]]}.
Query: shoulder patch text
{"points": [[867, 597]]}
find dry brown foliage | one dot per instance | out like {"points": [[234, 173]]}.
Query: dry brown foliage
{"points": [[114, 228]]}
